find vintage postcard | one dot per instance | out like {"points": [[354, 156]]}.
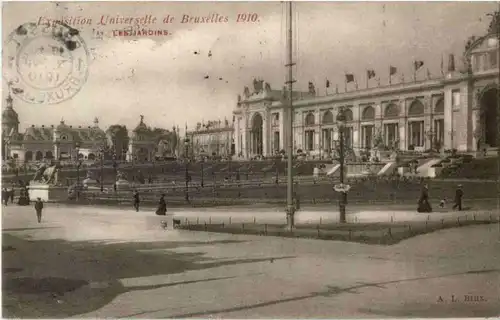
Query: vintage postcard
{"points": [[250, 159]]}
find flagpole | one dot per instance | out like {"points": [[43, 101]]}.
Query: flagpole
{"points": [[367, 79], [442, 65], [345, 82], [415, 71], [290, 210], [390, 76]]}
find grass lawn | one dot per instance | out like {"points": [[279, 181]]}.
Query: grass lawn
{"points": [[369, 233]]}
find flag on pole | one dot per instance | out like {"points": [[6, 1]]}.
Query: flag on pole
{"points": [[417, 65], [369, 74], [442, 65], [349, 77], [392, 71]]}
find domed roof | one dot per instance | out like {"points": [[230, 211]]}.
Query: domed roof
{"points": [[9, 116], [141, 126], [61, 126]]}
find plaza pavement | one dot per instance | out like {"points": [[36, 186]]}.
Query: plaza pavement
{"points": [[112, 264]]}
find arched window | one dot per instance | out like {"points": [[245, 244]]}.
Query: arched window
{"points": [[48, 155], [391, 111], [416, 109], [439, 107], [91, 156], [39, 155], [257, 121], [28, 156], [368, 113], [348, 115], [310, 119], [328, 117]]}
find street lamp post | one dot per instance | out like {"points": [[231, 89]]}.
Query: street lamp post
{"points": [[202, 178], [78, 164], [343, 193], [186, 149], [102, 168]]}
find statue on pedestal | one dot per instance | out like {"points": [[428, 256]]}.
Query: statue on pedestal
{"points": [[89, 181], [46, 175], [121, 181], [246, 92]]}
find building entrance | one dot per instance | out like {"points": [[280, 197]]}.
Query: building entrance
{"points": [[489, 106]]}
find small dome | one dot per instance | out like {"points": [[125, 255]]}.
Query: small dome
{"points": [[9, 116], [141, 126], [62, 126]]}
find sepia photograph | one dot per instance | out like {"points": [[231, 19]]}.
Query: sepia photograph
{"points": [[258, 159]]}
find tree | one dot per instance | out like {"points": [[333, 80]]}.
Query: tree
{"points": [[119, 139]]}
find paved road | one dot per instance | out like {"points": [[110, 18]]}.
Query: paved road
{"points": [[108, 263], [318, 213]]}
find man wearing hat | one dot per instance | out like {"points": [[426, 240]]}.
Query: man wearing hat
{"points": [[459, 193], [38, 209]]}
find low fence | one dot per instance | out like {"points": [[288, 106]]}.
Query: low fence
{"points": [[383, 232]]}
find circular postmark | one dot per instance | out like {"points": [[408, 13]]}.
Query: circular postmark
{"points": [[45, 64]]}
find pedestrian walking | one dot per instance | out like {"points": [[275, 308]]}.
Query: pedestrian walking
{"points": [[38, 209], [137, 201], [423, 202], [297, 201], [459, 193], [162, 206], [12, 192], [5, 197]]}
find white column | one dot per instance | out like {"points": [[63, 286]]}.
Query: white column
{"points": [[356, 138], [245, 141], [282, 131], [317, 140], [448, 119], [236, 132], [265, 134], [402, 137]]}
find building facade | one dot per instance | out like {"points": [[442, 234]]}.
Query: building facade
{"points": [[39, 143], [212, 139], [457, 110]]}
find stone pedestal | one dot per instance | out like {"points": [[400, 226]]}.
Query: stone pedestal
{"points": [[122, 184], [45, 192], [91, 183]]}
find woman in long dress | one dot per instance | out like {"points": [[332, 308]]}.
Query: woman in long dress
{"points": [[423, 202], [162, 206]]}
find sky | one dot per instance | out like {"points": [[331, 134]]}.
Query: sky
{"points": [[165, 79]]}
